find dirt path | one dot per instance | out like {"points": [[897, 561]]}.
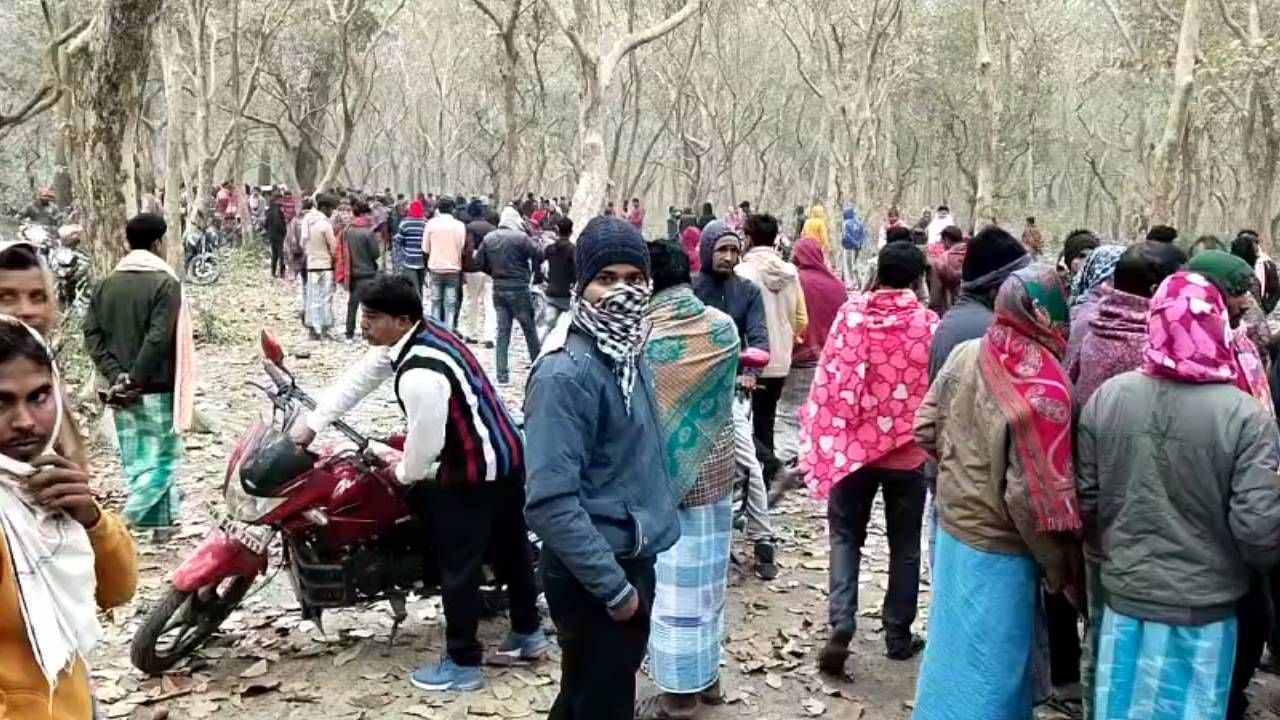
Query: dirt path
{"points": [[267, 663]]}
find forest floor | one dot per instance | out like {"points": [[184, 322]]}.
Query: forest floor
{"points": [[268, 663]]}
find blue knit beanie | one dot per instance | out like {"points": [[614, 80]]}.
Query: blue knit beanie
{"points": [[609, 241]]}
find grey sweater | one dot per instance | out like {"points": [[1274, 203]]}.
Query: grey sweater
{"points": [[1179, 493]]}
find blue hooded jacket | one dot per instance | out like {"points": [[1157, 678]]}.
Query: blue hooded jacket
{"points": [[739, 299], [854, 234]]}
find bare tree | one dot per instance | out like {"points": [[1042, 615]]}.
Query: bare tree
{"points": [[1175, 126]]}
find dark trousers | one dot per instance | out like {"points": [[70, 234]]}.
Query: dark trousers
{"points": [[1254, 625], [1062, 621], [416, 275], [472, 523], [354, 287], [514, 305], [848, 513], [764, 410], [599, 657], [277, 257]]}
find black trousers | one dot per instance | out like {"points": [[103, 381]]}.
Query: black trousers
{"points": [[1254, 625], [472, 523], [277, 257], [1061, 619], [355, 285], [764, 410], [848, 513], [599, 657]]}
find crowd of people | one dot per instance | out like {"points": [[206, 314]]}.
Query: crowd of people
{"points": [[1088, 441]]}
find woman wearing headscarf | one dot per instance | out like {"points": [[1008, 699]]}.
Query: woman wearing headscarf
{"points": [[1075, 249], [1234, 279], [1178, 489], [816, 227], [998, 421], [62, 558], [1086, 290], [824, 293], [690, 238]]}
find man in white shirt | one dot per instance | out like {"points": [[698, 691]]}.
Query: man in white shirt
{"points": [[941, 219], [443, 241], [466, 453]]}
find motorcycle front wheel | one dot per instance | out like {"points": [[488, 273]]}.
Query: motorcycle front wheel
{"points": [[204, 269], [182, 622]]}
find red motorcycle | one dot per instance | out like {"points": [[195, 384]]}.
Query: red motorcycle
{"points": [[348, 535]]}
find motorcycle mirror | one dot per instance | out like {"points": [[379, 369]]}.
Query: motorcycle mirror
{"points": [[753, 358], [272, 350]]}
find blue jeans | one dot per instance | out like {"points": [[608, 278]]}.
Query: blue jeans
{"points": [[518, 306], [446, 293]]}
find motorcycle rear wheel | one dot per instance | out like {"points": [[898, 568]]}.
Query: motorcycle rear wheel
{"points": [[195, 616]]}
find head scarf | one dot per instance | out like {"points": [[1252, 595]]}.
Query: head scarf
{"points": [[1019, 361], [816, 227], [1188, 333], [713, 233], [690, 237], [693, 350], [616, 323], [1098, 268], [824, 293], [511, 219], [52, 560], [871, 378], [984, 284], [416, 210], [1232, 274]]}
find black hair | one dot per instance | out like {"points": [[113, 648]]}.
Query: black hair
{"points": [[564, 226], [669, 266], [899, 265], [393, 295], [635, 200], [745, 204], [1206, 242], [1162, 233], [1077, 243], [944, 208], [991, 249], [952, 235], [897, 234], [1245, 247], [144, 230], [19, 257], [761, 230], [1145, 265], [308, 203], [1031, 219], [706, 208], [360, 207], [16, 341], [918, 236], [326, 202], [491, 217], [444, 205]]}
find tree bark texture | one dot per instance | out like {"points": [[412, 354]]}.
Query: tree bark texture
{"points": [[1163, 186], [984, 210], [107, 92]]}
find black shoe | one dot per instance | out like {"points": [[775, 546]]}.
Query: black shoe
{"points": [[766, 569], [832, 656], [904, 648]]}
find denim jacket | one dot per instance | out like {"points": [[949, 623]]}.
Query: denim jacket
{"points": [[596, 478]]}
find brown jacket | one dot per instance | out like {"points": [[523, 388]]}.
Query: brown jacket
{"points": [[982, 496]]}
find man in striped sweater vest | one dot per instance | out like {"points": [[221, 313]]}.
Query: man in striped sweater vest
{"points": [[463, 443]]}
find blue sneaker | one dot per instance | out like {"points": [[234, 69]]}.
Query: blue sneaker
{"points": [[525, 647], [447, 675]]}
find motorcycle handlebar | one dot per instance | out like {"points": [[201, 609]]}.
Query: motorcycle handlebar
{"points": [[284, 382]]}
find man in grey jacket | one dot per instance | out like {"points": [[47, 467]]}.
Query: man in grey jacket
{"points": [[513, 260], [1178, 488], [597, 488]]}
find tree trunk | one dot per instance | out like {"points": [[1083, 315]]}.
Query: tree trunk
{"points": [[510, 123], [1163, 170], [106, 92], [589, 196], [984, 203], [173, 101]]}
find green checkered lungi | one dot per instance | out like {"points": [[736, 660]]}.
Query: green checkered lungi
{"points": [[150, 453]]}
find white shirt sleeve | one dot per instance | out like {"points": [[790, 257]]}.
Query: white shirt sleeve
{"points": [[355, 384], [425, 396]]}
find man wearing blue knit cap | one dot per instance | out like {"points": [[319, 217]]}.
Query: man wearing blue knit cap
{"points": [[596, 476]]}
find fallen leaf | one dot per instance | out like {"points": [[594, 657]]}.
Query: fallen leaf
{"points": [[347, 655], [261, 687], [502, 692], [255, 670], [370, 701], [773, 680], [175, 683], [813, 707], [421, 711]]}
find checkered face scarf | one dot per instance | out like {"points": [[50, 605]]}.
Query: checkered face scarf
{"points": [[617, 323]]}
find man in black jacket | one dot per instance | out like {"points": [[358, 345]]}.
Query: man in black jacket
{"points": [[363, 248], [720, 287], [276, 228]]}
